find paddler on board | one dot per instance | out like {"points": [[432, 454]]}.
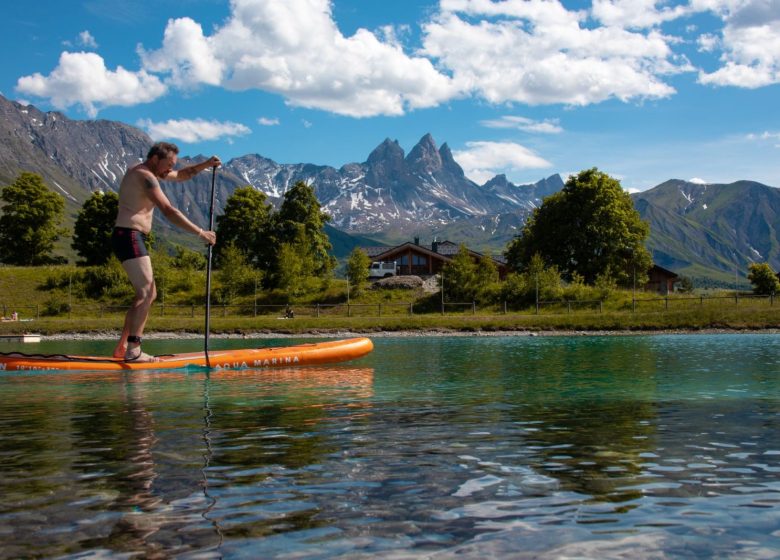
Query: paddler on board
{"points": [[139, 194]]}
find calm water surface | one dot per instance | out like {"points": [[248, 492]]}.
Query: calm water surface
{"points": [[516, 447]]}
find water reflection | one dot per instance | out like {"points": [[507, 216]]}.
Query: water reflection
{"points": [[590, 447], [128, 462]]}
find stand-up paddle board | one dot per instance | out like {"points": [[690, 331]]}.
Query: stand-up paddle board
{"points": [[288, 356]]}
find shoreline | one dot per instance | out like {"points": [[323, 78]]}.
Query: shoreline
{"points": [[184, 335]]}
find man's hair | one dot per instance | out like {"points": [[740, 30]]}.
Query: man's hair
{"points": [[162, 150]]}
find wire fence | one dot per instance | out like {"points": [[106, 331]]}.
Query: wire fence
{"points": [[29, 311]]}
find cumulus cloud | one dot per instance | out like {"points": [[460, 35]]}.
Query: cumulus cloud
{"points": [[537, 52], [482, 161], [192, 130], [82, 79], [295, 49], [750, 42], [265, 121], [547, 126], [186, 55], [635, 13], [508, 51]]}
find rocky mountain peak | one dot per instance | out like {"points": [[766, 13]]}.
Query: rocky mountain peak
{"points": [[448, 162], [424, 157]]}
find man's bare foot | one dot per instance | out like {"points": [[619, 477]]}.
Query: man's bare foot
{"points": [[140, 356], [120, 352]]}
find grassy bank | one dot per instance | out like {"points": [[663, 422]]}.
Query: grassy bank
{"points": [[58, 309], [737, 318]]}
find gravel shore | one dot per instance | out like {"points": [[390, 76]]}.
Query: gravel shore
{"points": [[108, 335]]}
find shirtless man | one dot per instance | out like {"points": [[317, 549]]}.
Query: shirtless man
{"points": [[139, 194]]}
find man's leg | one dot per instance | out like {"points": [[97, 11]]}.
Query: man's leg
{"points": [[139, 270]]}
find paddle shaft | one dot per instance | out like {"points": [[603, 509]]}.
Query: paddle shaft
{"points": [[207, 328]]}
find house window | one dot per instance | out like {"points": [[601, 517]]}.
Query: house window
{"points": [[404, 260], [419, 260]]}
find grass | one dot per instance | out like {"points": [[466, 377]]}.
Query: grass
{"points": [[24, 290]]}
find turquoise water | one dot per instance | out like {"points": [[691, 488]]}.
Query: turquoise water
{"points": [[467, 447]]}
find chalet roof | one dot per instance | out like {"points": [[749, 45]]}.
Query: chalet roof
{"points": [[445, 250], [663, 271]]}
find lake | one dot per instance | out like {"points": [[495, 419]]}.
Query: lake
{"points": [[432, 447]]}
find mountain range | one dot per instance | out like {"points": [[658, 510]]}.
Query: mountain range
{"points": [[696, 230]]}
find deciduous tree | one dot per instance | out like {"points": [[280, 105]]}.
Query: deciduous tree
{"points": [[357, 268], [301, 220], [763, 278], [29, 225], [245, 224], [590, 227], [94, 224]]}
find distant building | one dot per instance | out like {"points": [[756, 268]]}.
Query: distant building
{"points": [[413, 259], [660, 280]]}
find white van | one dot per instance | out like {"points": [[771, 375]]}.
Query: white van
{"points": [[381, 269]]}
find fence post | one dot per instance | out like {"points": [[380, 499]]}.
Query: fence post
{"points": [[162, 309], [771, 299], [736, 298], [224, 309], [666, 303], [504, 307], [601, 306], [701, 300], [411, 309], [349, 310], [633, 305], [192, 310], [318, 310], [100, 313], [473, 307], [568, 307], [380, 309], [37, 311]]}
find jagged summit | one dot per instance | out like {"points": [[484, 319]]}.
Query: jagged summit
{"points": [[390, 190]]}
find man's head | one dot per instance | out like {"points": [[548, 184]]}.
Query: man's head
{"points": [[162, 158]]}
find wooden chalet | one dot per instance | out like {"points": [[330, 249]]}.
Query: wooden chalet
{"points": [[660, 280], [413, 259]]}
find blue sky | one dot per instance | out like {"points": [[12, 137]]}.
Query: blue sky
{"points": [[645, 91]]}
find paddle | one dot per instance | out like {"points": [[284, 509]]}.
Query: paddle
{"points": [[208, 269]]}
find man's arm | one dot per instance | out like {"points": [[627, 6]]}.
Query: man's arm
{"points": [[187, 173], [157, 196]]}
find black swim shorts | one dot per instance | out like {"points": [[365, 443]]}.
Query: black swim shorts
{"points": [[128, 243]]}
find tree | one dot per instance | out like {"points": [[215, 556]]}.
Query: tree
{"points": [[245, 224], [588, 228], [94, 224], [235, 276], [301, 220], [469, 280], [357, 268], [29, 225], [763, 278]]}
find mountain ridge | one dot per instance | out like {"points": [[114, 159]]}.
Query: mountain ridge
{"points": [[393, 196]]}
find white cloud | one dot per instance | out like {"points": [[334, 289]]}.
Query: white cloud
{"points": [[708, 42], [87, 40], [82, 79], [186, 54], [482, 161], [698, 181], [295, 49], [547, 126], [193, 130], [503, 51], [750, 42], [635, 13], [537, 52], [265, 121]]}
